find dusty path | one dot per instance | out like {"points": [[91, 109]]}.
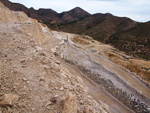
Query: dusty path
{"points": [[97, 91], [120, 77], [94, 64], [129, 77]]}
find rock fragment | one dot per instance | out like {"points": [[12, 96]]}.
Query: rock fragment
{"points": [[24, 79], [61, 89], [69, 104], [8, 99], [57, 62], [48, 103]]}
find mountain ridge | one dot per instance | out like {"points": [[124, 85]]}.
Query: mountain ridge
{"points": [[47, 15]]}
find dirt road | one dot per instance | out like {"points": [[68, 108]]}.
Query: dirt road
{"points": [[97, 91], [122, 79]]}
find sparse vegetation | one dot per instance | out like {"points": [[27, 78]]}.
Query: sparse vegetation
{"points": [[80, 40], [140, 67], [134, 41]]}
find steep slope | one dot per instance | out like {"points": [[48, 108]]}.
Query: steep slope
{"points": [[135, 41], [31, 78]]}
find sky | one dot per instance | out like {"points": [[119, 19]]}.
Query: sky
{"points": [[138, 10]]}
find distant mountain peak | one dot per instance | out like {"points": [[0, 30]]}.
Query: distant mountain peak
{"points": [[32, 8], [79, 10], [74, 14], [108, 14]]}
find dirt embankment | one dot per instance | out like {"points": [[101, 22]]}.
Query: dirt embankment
{"points": [[138, 66], [31, 79]]}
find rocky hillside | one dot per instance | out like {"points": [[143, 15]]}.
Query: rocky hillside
{"points": [[99, 26], [135, 41], [31, 78]]}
